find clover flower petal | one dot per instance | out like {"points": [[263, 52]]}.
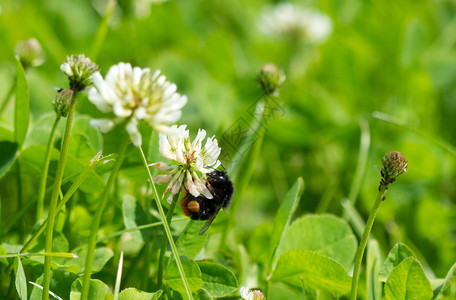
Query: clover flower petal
{"points": [[136, 94], [248, 294], [190, 161]]}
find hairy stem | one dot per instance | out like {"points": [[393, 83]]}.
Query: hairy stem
{"points": [[161, 259], [55, 196], [364, 239], [47, 159], [97, 218], [167, 228]]}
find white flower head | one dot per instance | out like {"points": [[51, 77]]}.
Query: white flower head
{"points": [[290, 20], [135, 94], [30, 53], [79, 70], [248, 294], [190, 161]]}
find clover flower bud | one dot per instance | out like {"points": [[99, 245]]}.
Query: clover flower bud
{"points": [[270, 78], [79, 70], [394, 164], [62, 102], [30, 53]]}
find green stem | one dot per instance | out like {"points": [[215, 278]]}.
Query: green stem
{"points": [[79, 180], [47, 159], [363, 242], [55, 196], [97, 218], [167, 228], [20, 202], [161, 259]]}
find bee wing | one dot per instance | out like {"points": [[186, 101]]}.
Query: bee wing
{"points": [[209, 222]]}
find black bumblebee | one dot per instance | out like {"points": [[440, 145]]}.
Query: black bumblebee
{"points": [[202, 208]]}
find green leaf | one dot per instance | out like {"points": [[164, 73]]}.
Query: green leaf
{"points": [[303, 268], [407, 281], [132, 293], [21, 281], [326, 235], [97, 290], [22, 106], [190, 242], [85, 140], [446, 283], [129, 208], [202, 294], [77, 265], [3, 252], [192, 271], [8, 152], [217, 279], [398, 254], [284, 215], [258, 241], [373, 285], [61, 282], [40, 129]]}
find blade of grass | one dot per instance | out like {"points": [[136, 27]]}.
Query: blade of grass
{"points": [[22, 105], [102, 29], [118, 277], [364, 146], [53, 254], [438, 141], [21, 281], [281, 221], [166, 227], [374, 259], [50, 293], [353, 216], [8, 97]]}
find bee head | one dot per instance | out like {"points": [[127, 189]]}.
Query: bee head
{"points": [[217, 178]]}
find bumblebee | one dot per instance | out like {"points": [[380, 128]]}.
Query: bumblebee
{"points": [[202, 208]]}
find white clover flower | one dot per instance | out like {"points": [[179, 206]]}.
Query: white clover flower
{"points": [[247, 294], [190, 161], [135, 94], [30, 53], [290, 20], [79, 70]]}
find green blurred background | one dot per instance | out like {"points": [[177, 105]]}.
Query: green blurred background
{"points": [[394, 57]]}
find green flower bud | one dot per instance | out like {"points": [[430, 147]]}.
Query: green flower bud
{"points": [[62, 102], [270, 78], [394, 164], [30, 53], [79, 70]]}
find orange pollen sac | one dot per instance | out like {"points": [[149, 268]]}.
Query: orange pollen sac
{"points": [[193, 206]]}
